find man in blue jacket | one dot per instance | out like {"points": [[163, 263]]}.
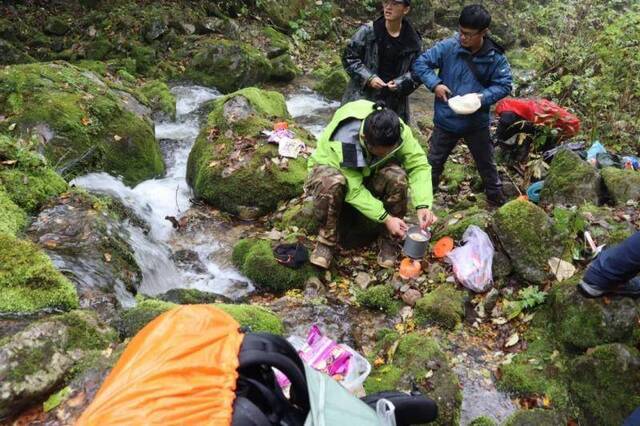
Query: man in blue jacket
{"points": [[469, 62]]}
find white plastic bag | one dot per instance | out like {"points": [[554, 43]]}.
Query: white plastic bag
{"points": [[466, 104], [386, 412], [472, 263]]}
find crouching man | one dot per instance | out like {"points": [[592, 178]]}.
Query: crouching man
{"points": [[368, 158]]}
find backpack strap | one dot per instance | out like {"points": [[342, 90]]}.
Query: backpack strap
{"points": [[262, 349], [246, 413], [468, 59]]}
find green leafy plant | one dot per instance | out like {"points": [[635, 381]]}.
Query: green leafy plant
{"points": [[528, 298]]}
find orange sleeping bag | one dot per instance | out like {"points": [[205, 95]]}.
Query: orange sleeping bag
{"points": [[181, 369]]}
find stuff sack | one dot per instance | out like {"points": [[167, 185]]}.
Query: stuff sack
{"points": [[472, 263], [541, 112]]}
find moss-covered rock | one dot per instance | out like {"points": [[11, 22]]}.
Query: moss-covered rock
{"points": [[525, 232], [256, 318], [483, 421], [604, 227], [26, 178], [282, 12], [82, 123], [454, 225], [584, 323], [12, 217], [301, 216], [29, 282], [332, 82], [191, 296], [159, 97], [230, 166], [571, 181], [228, 65], [12, 55], [443, 306], [605, 384], [277, 43], [42, 357], [254, 258], [283, 68], [416, 355], [621, 185], [536, 417], [379, 297]]}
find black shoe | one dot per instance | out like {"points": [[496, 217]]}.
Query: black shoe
{"points": [[630, 289], [497, 200]]}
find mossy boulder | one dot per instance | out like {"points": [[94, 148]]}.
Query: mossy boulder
{"points": [[283, 68], [571, 181], [254, 258], [536, 417], [332, 82], [483, 421], [10, 54], [191, 296], [605, 384], [277, 43], [82, 124], [159, 98], [301, 216], [282, 12], [379, 297], [12, 217], [228, 65], [256, 318], [40, 358], [231, 166], [455, 224], [27, 178], [417, 359], [28, 281], [56, 26], [525, 232], [604, 227], [443, 306], [584, 323], [621, 185]]}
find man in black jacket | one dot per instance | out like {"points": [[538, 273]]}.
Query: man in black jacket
{"points": [[379, 57]]}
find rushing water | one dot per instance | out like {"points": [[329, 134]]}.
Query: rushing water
{"points": [[311, 110]]}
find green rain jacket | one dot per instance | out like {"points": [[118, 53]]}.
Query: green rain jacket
{"points": [[341, 155]]}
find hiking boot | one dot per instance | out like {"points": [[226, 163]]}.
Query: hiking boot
{"points": [[322, 255], [497, 200], [630, 289], [387, 252]]}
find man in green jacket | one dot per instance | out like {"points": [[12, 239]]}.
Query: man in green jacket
{"points": [[369, 158]]}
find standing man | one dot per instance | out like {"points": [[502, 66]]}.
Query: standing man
{"points": [[469, 62], [379, 57]]}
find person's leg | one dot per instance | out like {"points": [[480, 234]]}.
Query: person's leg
{"points": [[614, 269], [479, 143], [440, 146], [390, 184], [327, 186]]}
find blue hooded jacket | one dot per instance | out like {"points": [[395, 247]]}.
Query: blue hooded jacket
{"points": [[447, 56]]}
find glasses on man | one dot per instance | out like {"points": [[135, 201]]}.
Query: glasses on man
{"points": [[468, 34]]}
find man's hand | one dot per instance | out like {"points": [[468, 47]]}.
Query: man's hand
{"points": [[396, 226], [442, 92], [426, 218], [392, 85], [377, 83]]}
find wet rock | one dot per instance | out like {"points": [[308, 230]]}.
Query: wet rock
{"points": [[191, 296], [379, 297], [256, 318], [228, 65], [411, 296], [443, 306], [332, 82], [189, 260], [525, 232], [90, 244], [9, 54], [621, 185], [277, 43], [256, 261], [612, 370], [155, 29], [417, 359], [363, 280], [92, 126], [536, 417], [28, 281], [571, 181], [230, 166], [56, 26], [283, 68], [159, 98], [188, 29], [314, 288], [501, 266], [37, 360], [483, 421], [583, 323]]}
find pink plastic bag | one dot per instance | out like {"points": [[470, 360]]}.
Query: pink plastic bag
{"points": [[472, 263]]}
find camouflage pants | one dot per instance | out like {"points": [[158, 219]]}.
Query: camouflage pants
{"points": [[328, 187]]}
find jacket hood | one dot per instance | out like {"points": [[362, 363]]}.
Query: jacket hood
{"points": [[415, 42]]}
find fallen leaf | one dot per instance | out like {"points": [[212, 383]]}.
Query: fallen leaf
{"points": [[8, 162], [56, 399], [499, 321], [107, 257], [378, 362], [12, 126], [117, 138], [85, 121], [513, 339], [428, 374]]}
